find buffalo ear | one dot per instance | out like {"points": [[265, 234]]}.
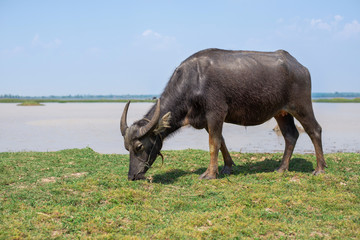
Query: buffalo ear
{"points": [[163, 123]]}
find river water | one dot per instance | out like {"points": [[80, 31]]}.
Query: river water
{"points": [[57, 126]]}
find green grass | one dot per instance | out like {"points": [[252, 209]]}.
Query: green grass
{"points": [[77, 194], [337, 100], [30, 103]]}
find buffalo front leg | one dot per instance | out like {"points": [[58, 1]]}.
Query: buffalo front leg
{"points": [[228, 162], [215, 140]]}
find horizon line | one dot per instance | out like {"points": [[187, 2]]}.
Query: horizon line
{"points": [[135, 96]]}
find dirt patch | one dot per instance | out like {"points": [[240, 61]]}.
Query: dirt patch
{"points": [[48, 180], [54, 179], [57, 233], [295, 179], [76, 175]]}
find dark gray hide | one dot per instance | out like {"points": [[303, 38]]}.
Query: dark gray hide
{"points": [[215, 86]]}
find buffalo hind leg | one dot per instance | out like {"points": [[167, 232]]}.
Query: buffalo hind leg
{"points": [[306, 117], [228, 162], [290, 134]]}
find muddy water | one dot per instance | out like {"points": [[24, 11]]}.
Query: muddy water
{"points": [[77, 125]]}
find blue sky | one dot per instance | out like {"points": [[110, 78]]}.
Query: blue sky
{"points": [[132, 47]]}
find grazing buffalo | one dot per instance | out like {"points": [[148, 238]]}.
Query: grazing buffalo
{"points": [[214, 86]]}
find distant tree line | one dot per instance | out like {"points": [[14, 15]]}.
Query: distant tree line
{"points": [[83, 97], [336, 95], [152, 96]]}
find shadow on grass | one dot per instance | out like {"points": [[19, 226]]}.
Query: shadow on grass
{"points": [[267, 165], [170, 177]]}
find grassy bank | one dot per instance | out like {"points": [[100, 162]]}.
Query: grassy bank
{"points": [[30, 103], [337, 100], [80, 193]]}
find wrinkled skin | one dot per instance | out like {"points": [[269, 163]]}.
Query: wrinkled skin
{"points": [[214, 86]]}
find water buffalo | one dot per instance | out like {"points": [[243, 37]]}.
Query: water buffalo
{"points": [[214, 86]]}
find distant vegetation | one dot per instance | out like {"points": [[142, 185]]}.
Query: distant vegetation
{"points": [[30, 103], [336, 95], [77, 98], [82, 97], [337, 100], [8, 98], [22, 101]]}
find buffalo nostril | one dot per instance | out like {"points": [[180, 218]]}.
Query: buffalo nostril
{"points": [[131, 177]]}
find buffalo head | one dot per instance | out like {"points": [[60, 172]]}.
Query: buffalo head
{"points": [[143, 140]]}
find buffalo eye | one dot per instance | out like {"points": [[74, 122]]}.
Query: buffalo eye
{"points": [[139, 147]]}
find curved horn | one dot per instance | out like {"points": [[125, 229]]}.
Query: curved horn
{"points": [[153, 122], [123, 124]]}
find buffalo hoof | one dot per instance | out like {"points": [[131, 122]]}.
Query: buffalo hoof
{"points": [[318, 172], [226, 170], [207, 175]]}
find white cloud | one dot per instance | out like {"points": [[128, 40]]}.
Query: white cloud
{"points": [[37, 42], [53, 44], [157, 40], [320, 24], [13, 51], [337, 27], [351, 29], [280, 20], [326, 25], [338, 18], [151, 33]]}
